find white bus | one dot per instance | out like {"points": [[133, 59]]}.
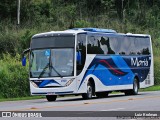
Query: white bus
{"points": [[89, 61]]}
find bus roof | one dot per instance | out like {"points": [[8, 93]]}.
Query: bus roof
{"points": [[71, 32], [101, 30], [138, 35]]}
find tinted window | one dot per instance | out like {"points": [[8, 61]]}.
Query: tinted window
{"points": [[99, 45], [81, 46], [125, 45], [122, 45], [81, 41], [93, 45], [50, 42], [142, 46], [118, 44]]}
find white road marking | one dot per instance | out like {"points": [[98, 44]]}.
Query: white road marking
{"points": [[114, 109]]}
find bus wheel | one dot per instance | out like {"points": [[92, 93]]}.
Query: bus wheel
{"points": [[134, 91], [89, 93], [102, 94], [51, 98], [135, 87]]}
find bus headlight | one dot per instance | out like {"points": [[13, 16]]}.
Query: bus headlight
{"points": [[34, 84], [69, 82]]}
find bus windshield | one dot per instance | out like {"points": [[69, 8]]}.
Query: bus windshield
{"points": [[56, 62]]}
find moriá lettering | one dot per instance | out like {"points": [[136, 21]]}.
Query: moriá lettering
{"points": [[138, 63]]}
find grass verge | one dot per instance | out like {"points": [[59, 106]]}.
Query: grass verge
{"points": [[21, 98], [152, 88]]}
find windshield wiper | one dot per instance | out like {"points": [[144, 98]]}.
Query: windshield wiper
{"points": [[54, 68], [50, 66], [43, 71], [56, 71]]}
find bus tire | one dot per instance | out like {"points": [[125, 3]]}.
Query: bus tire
{"points": [[134, 91], [51, 98], [135, 87], [102, 94], [89, 93]]}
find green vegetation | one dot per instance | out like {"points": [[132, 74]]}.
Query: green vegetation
{"points": [[14, 77], [157, 70], [152, 88], [135, 16], [21, 98]]}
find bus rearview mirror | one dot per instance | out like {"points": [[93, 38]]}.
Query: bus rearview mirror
{"points": [[23, 56], [24, 61]]}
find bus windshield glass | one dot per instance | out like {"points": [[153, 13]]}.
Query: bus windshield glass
{"points": [[57, 62]]}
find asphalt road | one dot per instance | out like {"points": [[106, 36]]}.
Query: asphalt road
{"points": [[145, 101]]}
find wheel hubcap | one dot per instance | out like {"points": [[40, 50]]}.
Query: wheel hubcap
{"points": [[89, 91], [135, 87]]}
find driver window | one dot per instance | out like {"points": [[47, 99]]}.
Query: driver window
{"points": [[81, 47]]}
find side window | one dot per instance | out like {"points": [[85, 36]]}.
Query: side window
{"points": [[106, 45], [132, 46], [123, 45], [114, 45], [99, 45], [142, 45], [81, 47], [93, 45]]}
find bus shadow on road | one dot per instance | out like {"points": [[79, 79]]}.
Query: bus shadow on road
{"points": [[79, 98], [121, 95]]}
